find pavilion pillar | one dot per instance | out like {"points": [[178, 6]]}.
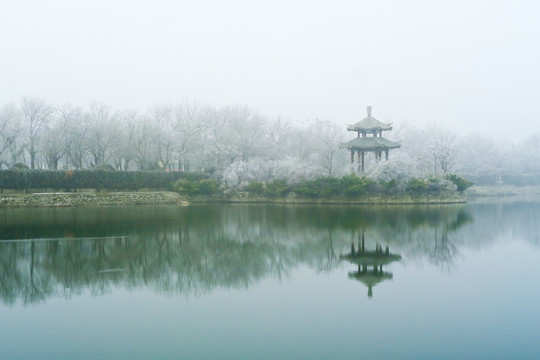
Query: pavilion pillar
{"points": [[386, 151], [352, 156], [362, 161]]}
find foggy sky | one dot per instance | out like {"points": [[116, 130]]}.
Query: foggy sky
{"points": [[472, 66]]}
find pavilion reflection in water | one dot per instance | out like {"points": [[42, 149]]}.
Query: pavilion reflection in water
{"points": [[370, 264]]}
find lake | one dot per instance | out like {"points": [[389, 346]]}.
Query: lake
{"points": [[271, 282]]}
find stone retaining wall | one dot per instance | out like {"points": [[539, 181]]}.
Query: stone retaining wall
{"points": [[435, 197], [167, 197], [89, 199]]}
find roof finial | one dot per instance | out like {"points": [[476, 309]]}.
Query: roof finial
{"points": [[369, 111]]}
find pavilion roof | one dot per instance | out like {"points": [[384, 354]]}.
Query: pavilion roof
{"points": [[371, 258], [369, 123], [370, 143], [371, 278]]}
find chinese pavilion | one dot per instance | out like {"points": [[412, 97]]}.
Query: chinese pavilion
{"points": [[369, 139]]}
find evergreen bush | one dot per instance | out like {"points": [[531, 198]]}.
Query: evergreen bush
{"points": [[461, 183], [417, 184], [277, 187]]}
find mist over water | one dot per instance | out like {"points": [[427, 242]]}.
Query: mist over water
{"points": [[271, 274]]}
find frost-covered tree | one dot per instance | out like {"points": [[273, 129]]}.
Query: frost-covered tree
{"points": [[241, 173], [444, 148], [399, 167], [280, 134], [237, 133], [327, 136], [432, 150], [482, 155]]}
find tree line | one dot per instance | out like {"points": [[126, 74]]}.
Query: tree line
{"points": [[183, 136], [239, 144]]}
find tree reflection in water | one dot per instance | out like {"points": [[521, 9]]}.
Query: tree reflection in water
{"points": [[193, 250]]}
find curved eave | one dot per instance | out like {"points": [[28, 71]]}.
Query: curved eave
{"points": [[370, 143], [370, 278], [369, 124], [368, 129]]}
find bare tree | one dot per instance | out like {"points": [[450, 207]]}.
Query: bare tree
{"points": [[163, 130], [280, 136], [239, 133], [142, 143], [36, 115], [102, 133], [433, 149], [125, 146], [53, 144], [327, 136], [73, 129], [191, 120], [445, 149], [9, 130]]}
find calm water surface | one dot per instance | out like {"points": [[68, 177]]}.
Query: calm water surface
{"points": [[271, 282]]}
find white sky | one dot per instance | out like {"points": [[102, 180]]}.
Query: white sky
{"points": [[466, 65]]}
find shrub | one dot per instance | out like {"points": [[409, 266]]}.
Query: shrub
{"points": [[196, 187], [353, 185], [350, 185], [461, 183], [305, 190], [185, 186], [417, 184], [355, 190], [322, 186], [255, 187], [388, 185], [277, 187], [208, 187]]}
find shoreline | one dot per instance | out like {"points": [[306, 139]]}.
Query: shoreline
{"points": [[409, 198], [81, 199]]}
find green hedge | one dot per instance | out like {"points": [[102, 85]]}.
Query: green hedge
{"points": [[196, 187], [92, 179]]}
